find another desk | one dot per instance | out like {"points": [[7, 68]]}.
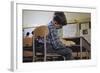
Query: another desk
{"points": [[81, 44]]}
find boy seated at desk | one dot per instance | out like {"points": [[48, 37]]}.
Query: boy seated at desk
{"points": [[57, 22], [53, 39]]}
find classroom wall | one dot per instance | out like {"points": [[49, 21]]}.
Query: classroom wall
{"points": [[70, 30], [36, 18], [87, 36]]}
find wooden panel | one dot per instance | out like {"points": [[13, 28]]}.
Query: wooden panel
{"points": [[27, 53], [27, 42]]}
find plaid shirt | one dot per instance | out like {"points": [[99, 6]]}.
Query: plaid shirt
{"points": [[53, 37]]}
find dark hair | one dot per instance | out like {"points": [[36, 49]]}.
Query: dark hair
{"points": [[60, 18], [32, 32], [27, 34]]}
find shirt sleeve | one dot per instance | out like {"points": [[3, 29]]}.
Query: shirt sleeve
{"points": [[55, 41]]}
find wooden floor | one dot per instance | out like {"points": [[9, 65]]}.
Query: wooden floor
{"points": [[29, 57]]}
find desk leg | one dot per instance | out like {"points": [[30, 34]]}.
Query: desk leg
{"points": [[45, 48], [33, 49], [81, 48]]}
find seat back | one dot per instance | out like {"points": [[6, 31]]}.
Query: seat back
{"points": [[40, 34], [41, 31]]}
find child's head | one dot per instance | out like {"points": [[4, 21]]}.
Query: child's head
{"points": [[59, 19], [27, 34]]}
